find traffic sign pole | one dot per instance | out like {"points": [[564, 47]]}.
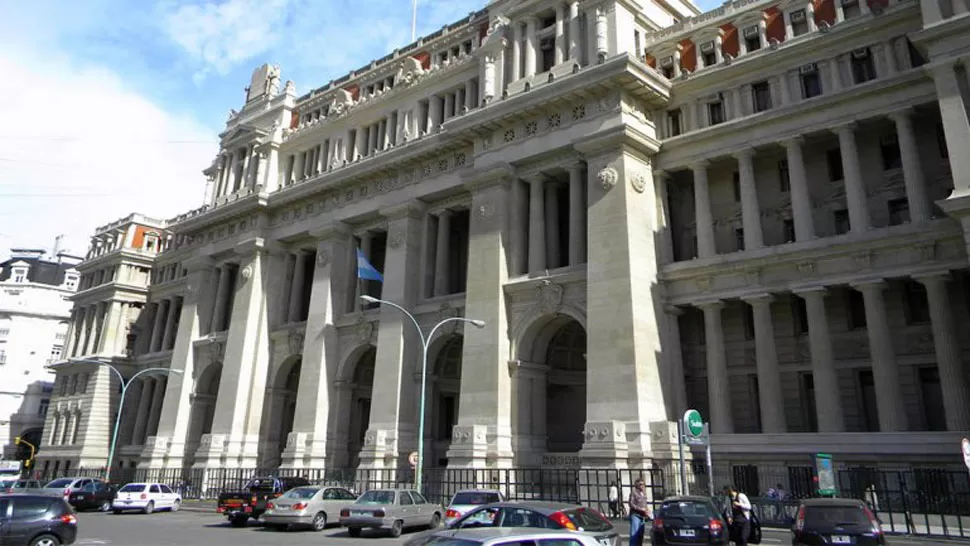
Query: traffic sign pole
{"points": [[684, 488]]}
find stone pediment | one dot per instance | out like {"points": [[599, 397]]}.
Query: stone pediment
{"points": [[244, 134]]}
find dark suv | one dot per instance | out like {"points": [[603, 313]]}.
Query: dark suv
{"points": [[36, 520], [836, 521]]}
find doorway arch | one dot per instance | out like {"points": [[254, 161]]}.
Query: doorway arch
{"points": [[203, 406], [445, 388], [362, 388]]}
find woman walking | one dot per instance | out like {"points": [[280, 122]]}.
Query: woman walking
{"points": [[639, 512]]}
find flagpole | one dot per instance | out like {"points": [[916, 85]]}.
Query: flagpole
{"points": [[414, 20]]}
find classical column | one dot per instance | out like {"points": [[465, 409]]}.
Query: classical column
{"points": [[956, 127], [577, 215], [158, 397], [769, 375], [855, 188], [750, 208], [663, 227], [519, 228], [602, 47], [469, 95], [552, 226], [574, 42], [828, 403], [516, 52], [801, 200], [919, 206], [161, 316], [948, 359], [222, 299], [560, 43], [294, 308], [834, 72], [321, 352], [434, 112], [441, 255], [244, 369], [374, 132], [393, 410], [702, 211], [673, 353], [885, 371], [173, 426], [144, 410], [531, 46], [449, 105], [718, 386], [170, 315], [537, 225]]}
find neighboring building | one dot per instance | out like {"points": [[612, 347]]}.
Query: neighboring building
{"points": [[104, 327], [754, 211], [34, 310]]}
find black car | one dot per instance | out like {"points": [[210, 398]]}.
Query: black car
{"points": [[95, 495], [688, 520], [36, 520], [834, 522]]}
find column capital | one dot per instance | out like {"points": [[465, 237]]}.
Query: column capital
{"points": [[576, 164], [935, 277], [410, 209], [744, 154], [498, 175], [805, 291], [902, 115], [716, 305], [796, 141], [701, 165], [846, 128], [673, 310], [535, 178], [251, 246], [756, 300], [332, 230], [661, 175], [871, 285]]}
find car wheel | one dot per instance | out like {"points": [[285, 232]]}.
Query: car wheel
{"points": [[117, 512], [353, 531], [397, 528], [45, 540], [176, 505], [106, 506], [319, 522], [150, 507], [435, 520]]}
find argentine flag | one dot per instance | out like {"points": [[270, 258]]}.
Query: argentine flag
{"points": [[366, 271]]}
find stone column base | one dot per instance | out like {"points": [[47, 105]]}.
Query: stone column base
{"points": [[211, 451], [304, 451], [379, 459], [480, 446], [243, 453], [155, 451]]}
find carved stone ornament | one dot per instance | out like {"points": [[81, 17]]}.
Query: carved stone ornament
{"points": [[396, 240], [446, 311], [639, 182], [323, 258], [295, 341], [247, 273], [608, 177], [486, 210], [215, 351], [549, 296], [365, 329]]}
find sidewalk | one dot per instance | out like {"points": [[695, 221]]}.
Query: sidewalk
{"points": [[195, 505]]}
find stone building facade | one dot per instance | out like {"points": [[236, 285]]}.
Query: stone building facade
{"points": [[760, 212]]}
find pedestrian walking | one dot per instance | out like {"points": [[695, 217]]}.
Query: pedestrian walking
{"points": [[639, 512], [739, 519], [614, 501]]}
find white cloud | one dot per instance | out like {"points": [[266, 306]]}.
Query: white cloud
{"points": [[78, 149], [219, 36]]}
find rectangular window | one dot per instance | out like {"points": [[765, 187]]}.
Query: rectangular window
{"points": [[56, 351], [715, 112], [889, 150], [674, 117], [851, 8], [799, 22], [788, 228], [708, 55], [811, 84], [44, 406], [761, 96], [833, 160], [667, 71], [916, 58], [917, 306], [739, 239], [856, 307], [898, 211], [799, 315], [784, 180], [752, 38], [863, 66]]}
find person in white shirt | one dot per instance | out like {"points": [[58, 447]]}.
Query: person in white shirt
{"points": [[740, 515], [614, 501]]}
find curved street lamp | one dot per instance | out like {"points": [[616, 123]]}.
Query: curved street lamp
{"points": [[121, 403], [425, 343]]}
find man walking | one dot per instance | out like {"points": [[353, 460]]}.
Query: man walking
{"points": [[739, 515], [639, 512]]}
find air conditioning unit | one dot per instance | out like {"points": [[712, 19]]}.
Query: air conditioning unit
{"points": [[860, 53], [707, 47], [798, 16], [667, 61], [809, 68], [751, 31]]}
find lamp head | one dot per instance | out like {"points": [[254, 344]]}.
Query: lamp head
{"points": [[477, 323], [368, 299]]}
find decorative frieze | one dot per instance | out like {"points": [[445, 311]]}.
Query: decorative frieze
{"points": [[540, 125]]}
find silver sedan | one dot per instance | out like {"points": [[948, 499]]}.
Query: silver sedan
{"points": [[390, 509], [307, 506]]}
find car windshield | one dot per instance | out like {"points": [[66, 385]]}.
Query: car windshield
{"points": [[57, 484], [588, 520], [6, 483], [377, 497], [262, 485], [675, 509], [828, 517], [133, 488], [301, 493], [472, 498]]}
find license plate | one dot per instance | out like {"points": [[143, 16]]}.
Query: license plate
{"points": [[362, 513], [687, 533], [841, 539]]}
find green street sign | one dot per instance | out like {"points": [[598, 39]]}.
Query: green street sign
{"points": [[693, 424]]}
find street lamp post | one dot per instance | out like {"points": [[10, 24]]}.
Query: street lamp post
{"points": [[121, 403], [425, 343]]}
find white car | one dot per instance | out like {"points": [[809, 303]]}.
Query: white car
{"points": [[146, 497], [467, 500]]}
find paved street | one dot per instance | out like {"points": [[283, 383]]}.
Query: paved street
{"points": [[196, 528]]}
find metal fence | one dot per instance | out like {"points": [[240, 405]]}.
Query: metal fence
{"points": [[918, 501]]}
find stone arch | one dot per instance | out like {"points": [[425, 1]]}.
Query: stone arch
{"points": [[444, 380], [282, 402], [203, 412], [526, 332], [549, 388], [358, 372]]}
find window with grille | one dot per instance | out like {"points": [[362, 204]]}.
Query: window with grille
{"points": [[761, 96], [863, 66]]}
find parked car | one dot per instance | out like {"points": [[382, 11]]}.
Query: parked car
{"points": [[20, 486], [836, 521], [239, 506], [311, 506], [688, 520], [468, 499], [62, 487], [147, 498], [96, 494], [390, 509], [507, 536], [543, 515], [36, 520]]}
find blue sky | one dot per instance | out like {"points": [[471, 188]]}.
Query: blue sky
{"points": [[113, 106]]}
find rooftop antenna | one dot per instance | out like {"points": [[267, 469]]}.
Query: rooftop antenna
{"points": [[414, 20]]}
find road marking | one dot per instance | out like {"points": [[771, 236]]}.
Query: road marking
{"points": [[92, 541]]}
